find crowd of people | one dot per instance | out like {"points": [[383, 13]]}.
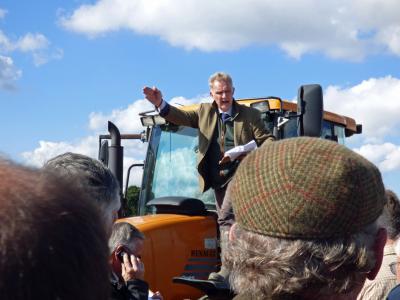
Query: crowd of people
{"points": [[302, 218]]}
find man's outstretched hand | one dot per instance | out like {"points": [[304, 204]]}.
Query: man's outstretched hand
{"points": [[153, 95]]}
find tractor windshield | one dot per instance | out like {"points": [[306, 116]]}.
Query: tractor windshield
{"points": [[171, 165]]}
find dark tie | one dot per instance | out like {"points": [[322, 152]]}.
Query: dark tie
{"points": [[225, 117]]}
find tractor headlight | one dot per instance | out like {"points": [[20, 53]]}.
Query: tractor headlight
{"points": [[152, 120]]}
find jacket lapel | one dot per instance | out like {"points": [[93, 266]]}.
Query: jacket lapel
{"points": [[212, 122], [207, 124]]}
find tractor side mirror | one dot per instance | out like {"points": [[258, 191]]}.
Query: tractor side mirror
{"points": [[310, 108]]}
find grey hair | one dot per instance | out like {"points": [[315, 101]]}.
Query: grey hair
{"points": [[390, 218], [123, 234], [94, 177], [220, 76], [269, 267]]}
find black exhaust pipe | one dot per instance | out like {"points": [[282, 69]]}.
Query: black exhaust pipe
{"points": [[115, 158]]}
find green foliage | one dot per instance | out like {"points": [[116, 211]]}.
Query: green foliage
{"points": [[132, 200]]}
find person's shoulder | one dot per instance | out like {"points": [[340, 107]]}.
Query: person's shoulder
{"points": [[206, 104], [206, 107], [244, 107]]}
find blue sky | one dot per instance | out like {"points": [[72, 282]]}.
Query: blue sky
{"points": [[66, 67]]}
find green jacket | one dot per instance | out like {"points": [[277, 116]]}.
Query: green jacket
{"points": [[247, 126]]}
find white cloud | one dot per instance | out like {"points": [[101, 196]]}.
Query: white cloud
{"points": [[134, 153], [46, 150], [338, 28], [35, 44], [8, 73], [373, 103], [5, 44], [391, 37], [127, 119], [386, 156], [31, 42]]}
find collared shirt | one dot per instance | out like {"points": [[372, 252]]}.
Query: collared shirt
{"points": [[384, 281], [229, 112]]}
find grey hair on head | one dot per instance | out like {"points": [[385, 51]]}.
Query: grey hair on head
{"points": [[220, 76], [95, 178], [271, 268], [123, 234]]}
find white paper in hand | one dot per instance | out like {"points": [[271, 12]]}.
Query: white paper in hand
{"points": [[242, 149]]}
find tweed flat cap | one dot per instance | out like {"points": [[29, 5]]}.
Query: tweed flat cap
{"points": [[306, 188]]}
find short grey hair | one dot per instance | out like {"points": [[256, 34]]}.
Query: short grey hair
{"points": [[270, 267], [220, 76], [123, 233], [94, 177]]}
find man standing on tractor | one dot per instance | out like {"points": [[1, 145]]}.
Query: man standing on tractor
{"points": [[222, 124]]}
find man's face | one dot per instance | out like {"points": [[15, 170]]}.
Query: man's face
{"points": [[222, 93]]}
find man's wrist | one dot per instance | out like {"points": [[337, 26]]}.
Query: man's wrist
{"points": [[162, 105], [159, 104]]}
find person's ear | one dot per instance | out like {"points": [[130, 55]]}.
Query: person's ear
{"points": [[378, 246], [232, 236], [233, 91], [118, 250]]}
